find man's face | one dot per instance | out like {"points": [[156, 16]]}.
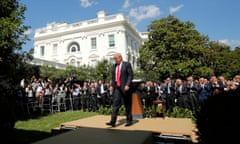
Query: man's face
{"points": [[168, 80], [117, 59]]}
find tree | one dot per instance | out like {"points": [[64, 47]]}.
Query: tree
{"points": [[219, 57], [174, 49], [12, 38], [104, 70], [48, 72], [232, 65]]}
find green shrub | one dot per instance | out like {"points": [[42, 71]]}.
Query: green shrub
{"points": [[179, 112], [108, 110], [122, 110], [176, 112], [148, 112], [104, 110]]}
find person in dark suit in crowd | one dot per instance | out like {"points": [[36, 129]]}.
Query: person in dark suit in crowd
{"points": [[216, 85], [122, 76], [181, 93], [168, 96]]}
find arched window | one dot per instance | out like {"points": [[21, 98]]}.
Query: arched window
{"points": [[73, 47]]}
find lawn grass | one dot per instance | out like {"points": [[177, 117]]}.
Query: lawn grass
{"points": [[39, 127]]}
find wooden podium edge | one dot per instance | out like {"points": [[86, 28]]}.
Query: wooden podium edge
{"points": [[137, 107]]}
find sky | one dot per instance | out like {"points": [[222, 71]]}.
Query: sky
{"points": [[217, 19]]}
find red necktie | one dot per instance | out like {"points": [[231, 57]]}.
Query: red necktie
{"points": [[118, 75], [92, 90], [216, 91]]}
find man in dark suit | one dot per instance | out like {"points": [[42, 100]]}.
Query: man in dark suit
{"points": [[122, 76]]}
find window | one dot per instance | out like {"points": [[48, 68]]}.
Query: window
{"points": [[93, 43], [73, 49], [42, 50], [55, 49], [111, 40], [73, 62], [132, 42], [112, 60]]}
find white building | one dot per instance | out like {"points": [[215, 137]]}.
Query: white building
{"points": [[86, 42]]}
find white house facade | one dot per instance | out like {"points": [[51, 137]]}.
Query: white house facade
{"points": [[87, 42]]}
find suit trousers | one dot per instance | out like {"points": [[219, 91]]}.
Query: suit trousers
{"points": [[121, 97]]}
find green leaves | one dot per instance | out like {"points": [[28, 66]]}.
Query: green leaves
{"points": [[175, 47], [178, 112]]}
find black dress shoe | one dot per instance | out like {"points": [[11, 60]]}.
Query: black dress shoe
{"points": [[110, 124], [128, 124]]}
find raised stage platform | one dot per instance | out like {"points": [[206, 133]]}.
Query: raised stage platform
{"points": [[168, 128], [100, 136]]}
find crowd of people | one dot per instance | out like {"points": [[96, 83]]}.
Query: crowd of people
{"points": [[76, 94], [188, 93]]}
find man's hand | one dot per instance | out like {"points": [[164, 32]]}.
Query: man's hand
{"points": [[126, 88]]}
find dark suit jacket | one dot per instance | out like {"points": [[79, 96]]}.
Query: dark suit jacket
{"points": [[99, 89], [126, 75]]}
